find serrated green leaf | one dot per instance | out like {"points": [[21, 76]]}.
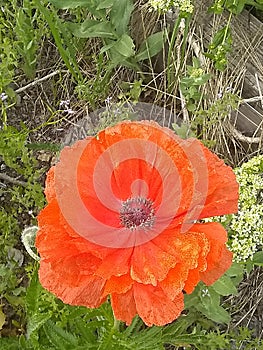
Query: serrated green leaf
{"points": [[224, 286], [183, 130], [151, 46], [186, 339], [134, 327], [35, 322], [47, 146], [10, 343], [88, 330], [177, 328], [60, 338], [34, 291]]}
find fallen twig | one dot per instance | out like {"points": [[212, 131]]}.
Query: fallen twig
{"points": [[14, 181], [238, 135], [37, 81]]}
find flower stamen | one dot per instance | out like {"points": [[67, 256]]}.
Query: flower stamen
{"points": [[136, 213]]}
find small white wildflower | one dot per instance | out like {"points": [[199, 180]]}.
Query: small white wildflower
{"points": [[69, 111], [205, 292], [108, 100], [220, 95], [64, 103], [3, 96]]}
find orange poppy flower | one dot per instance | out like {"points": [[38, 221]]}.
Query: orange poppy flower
{"points": [[122, 220]]}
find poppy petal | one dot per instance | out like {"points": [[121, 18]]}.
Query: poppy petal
{"points": [[213, 274], [150, 264], [127, 153], [119, 285], [186, 247], [192, 280], [222, 195], [116, 263], [123, 306], [192, 248], [50, 184], [57, 237], [219, 258], [174, 282], [87, 292], [154, 306]]}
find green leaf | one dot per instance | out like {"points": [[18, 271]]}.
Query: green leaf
{"points": [[59, 338], [33, 294], [207, 301], [91, 6], [105, 4], [249, 266], [147, 339], [219, 37], [258, 258], [120, 15], [202, 79], [92, 29], [151, 46], [235, 7], [215, 313], [186, 339], [120, 51], [2, 318], [125, 46], [258, 4], [35, 322], [54, 147], [224, 286], [177, 328], [183, 130], [70, 4], [235, 270], [10, 343], [110, 44]]}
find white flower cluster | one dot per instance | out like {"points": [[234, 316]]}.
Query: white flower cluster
{"points": [[166, 5], [246, 227], [246, 232]]}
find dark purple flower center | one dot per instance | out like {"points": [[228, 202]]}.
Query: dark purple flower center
{"points": [[136, 213]]}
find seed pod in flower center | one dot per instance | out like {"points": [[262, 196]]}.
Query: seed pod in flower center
{"points": [[136, 213]]}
